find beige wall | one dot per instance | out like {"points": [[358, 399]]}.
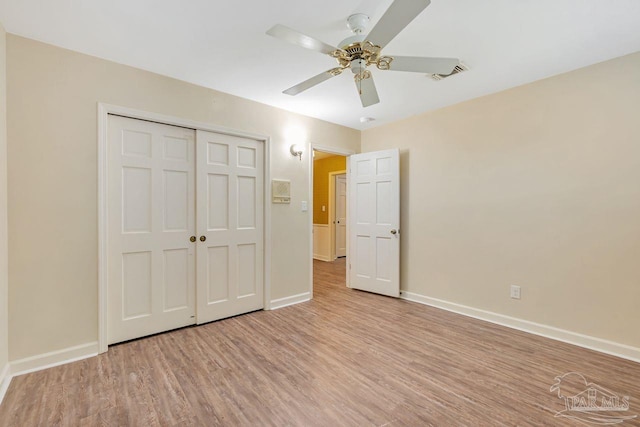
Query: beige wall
{"points": [[4, 275], [53, 239], [537, 186]]}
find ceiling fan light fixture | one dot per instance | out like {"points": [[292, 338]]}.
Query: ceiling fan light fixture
{"points": [[358, 65]]}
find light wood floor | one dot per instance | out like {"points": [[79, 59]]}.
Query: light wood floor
{"points": [[347, 358]]}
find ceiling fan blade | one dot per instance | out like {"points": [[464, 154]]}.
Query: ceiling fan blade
{"points": [[292, 36], [315, 80], [368, 93], [418, 64], [398, 16]]}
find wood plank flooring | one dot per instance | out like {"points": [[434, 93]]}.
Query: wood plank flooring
{"points": [[347, 358]]}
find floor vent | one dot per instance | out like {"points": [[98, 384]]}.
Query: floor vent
{"points": [[459, 68]]}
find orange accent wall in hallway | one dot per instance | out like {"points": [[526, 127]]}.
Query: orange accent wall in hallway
{"points": [[321, 170]]}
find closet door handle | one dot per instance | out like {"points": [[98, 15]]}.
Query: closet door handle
{"points": [[192, 239], [203, 238]]}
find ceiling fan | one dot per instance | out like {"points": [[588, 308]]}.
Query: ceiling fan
{"points": [[358, 52]]}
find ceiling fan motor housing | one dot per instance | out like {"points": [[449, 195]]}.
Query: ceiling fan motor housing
{"points": [[351, 42]]}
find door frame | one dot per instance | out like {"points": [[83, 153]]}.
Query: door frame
{"points": [[103, 230], [340, 152], [332, 210]]}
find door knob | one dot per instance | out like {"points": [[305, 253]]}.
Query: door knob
{"points": [[192, 239], [394, 232], [203, 238]]}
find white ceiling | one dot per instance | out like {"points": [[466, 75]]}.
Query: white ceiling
{"points": [[222, 45]]}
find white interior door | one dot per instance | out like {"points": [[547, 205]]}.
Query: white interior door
{"points": [[374, 219], [341, 215], [230, 225], [151, 211]]}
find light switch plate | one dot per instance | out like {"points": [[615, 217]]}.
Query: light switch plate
{"points": [[304, 206]]}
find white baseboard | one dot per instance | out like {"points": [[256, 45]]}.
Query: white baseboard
{"points": [[5, 380], [53, 358], [609, 347], [293, 299], [44, 361], [321, 257]]}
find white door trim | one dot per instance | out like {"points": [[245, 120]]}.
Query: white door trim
{"points": [[333, 150], [103, 112], [332, 210]]}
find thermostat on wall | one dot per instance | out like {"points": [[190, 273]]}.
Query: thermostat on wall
{"points": [[281, 191]]}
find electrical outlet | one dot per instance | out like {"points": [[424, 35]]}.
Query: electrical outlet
{"points": [[515, 292]]}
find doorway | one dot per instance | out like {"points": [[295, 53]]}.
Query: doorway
{"points": [[329, 218], [373, 221], [372, 224]]}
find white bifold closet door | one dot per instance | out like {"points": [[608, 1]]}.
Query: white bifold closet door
{"points": [[230, 221], [151, 184], [185, 214]]}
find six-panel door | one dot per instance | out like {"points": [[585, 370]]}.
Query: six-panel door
{"points": [[374, 220], [151, 218], [160, 179], [230, 221]]}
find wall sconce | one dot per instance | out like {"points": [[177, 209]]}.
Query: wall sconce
{"points": [[296, 150]]}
